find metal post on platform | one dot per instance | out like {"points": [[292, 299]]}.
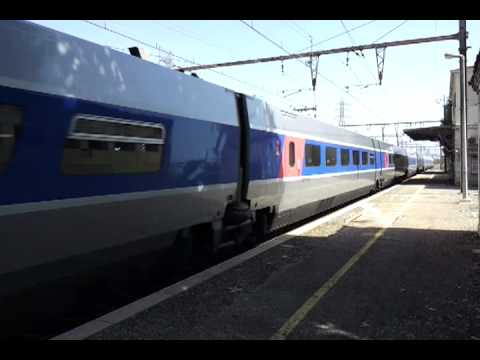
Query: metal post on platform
{"points": [[478, 162], [463, 128]]}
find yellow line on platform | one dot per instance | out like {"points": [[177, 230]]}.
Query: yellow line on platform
{"points": [[303, 311]]}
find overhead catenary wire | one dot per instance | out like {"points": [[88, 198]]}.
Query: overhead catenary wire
{"points": [[268, 39], [326, 52], [338, 35], [347, 31], [264, 36], [318, 73], [352, 41], [390, 31], [300, 30], [330, 51], [288, 52], [262, 89], [104, 27], [189, 35], [170, 53]]}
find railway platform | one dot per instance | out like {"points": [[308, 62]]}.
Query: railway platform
{"points": [[402, 264]]}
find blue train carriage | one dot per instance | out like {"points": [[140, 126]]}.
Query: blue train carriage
{"points": [[105, 156], [428, 162], [300, 166], [401, 162], [413, 158], [99, 149], [420, 162]]}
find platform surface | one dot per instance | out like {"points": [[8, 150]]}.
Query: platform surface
{"points": [[404, 265]]}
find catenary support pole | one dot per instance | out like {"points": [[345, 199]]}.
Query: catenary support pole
{"points": [[463, 128]]}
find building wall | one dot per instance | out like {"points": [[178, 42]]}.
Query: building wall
{"points": [[472, 151], [472, 127]]}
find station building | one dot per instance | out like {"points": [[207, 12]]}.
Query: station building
{"points": [[452, 116], [448, 133], [474, 83]]}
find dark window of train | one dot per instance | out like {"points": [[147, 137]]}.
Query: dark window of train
{"points": [[345, 157], [331, 156], [364, 158], [291, 154], [356, 157], [97, 146], [390, 160], [312, 155], [10, 124], [372, 158]]}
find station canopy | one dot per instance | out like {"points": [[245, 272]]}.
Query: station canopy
{"points": [[434, 133], [442, 134]]}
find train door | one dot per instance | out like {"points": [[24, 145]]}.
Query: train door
{"points": [[356, 163], [244, 164], [377, 164]]}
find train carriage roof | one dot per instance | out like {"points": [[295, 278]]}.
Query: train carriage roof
{"points": [[263, 116], [48, 61], [44, 60]]}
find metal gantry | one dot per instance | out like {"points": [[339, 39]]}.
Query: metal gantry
{"points": [[317, 53]]}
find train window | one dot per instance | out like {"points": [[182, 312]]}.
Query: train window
{"points": [[312, 155], [356, 157], [345, 157], [372, 158], [291, 154], [364, 158], [10, 123], [331, 156], [100, 146], [390, 159]]}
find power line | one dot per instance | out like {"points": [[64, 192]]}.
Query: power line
{"points": [[302, 31], [338, 35], [397, 123], [179, 57], [314, 78], [189, 35], [329, 51], [388, 32], [218, 72], [348, 33], [138, 41], [321, 75], [265, 37], [105, 28], [311, 54], [353, 44], [353, 97], [353, 72]]}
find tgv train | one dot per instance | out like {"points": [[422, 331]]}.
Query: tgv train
{"points": [[105, 156], [425, 163]]}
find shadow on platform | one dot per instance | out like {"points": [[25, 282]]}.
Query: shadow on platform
{"points": [[440, 180], [411, 284]]}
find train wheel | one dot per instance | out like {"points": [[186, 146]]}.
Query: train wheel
{"points": [[182, 250], [204, 246], [261, 227]]}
